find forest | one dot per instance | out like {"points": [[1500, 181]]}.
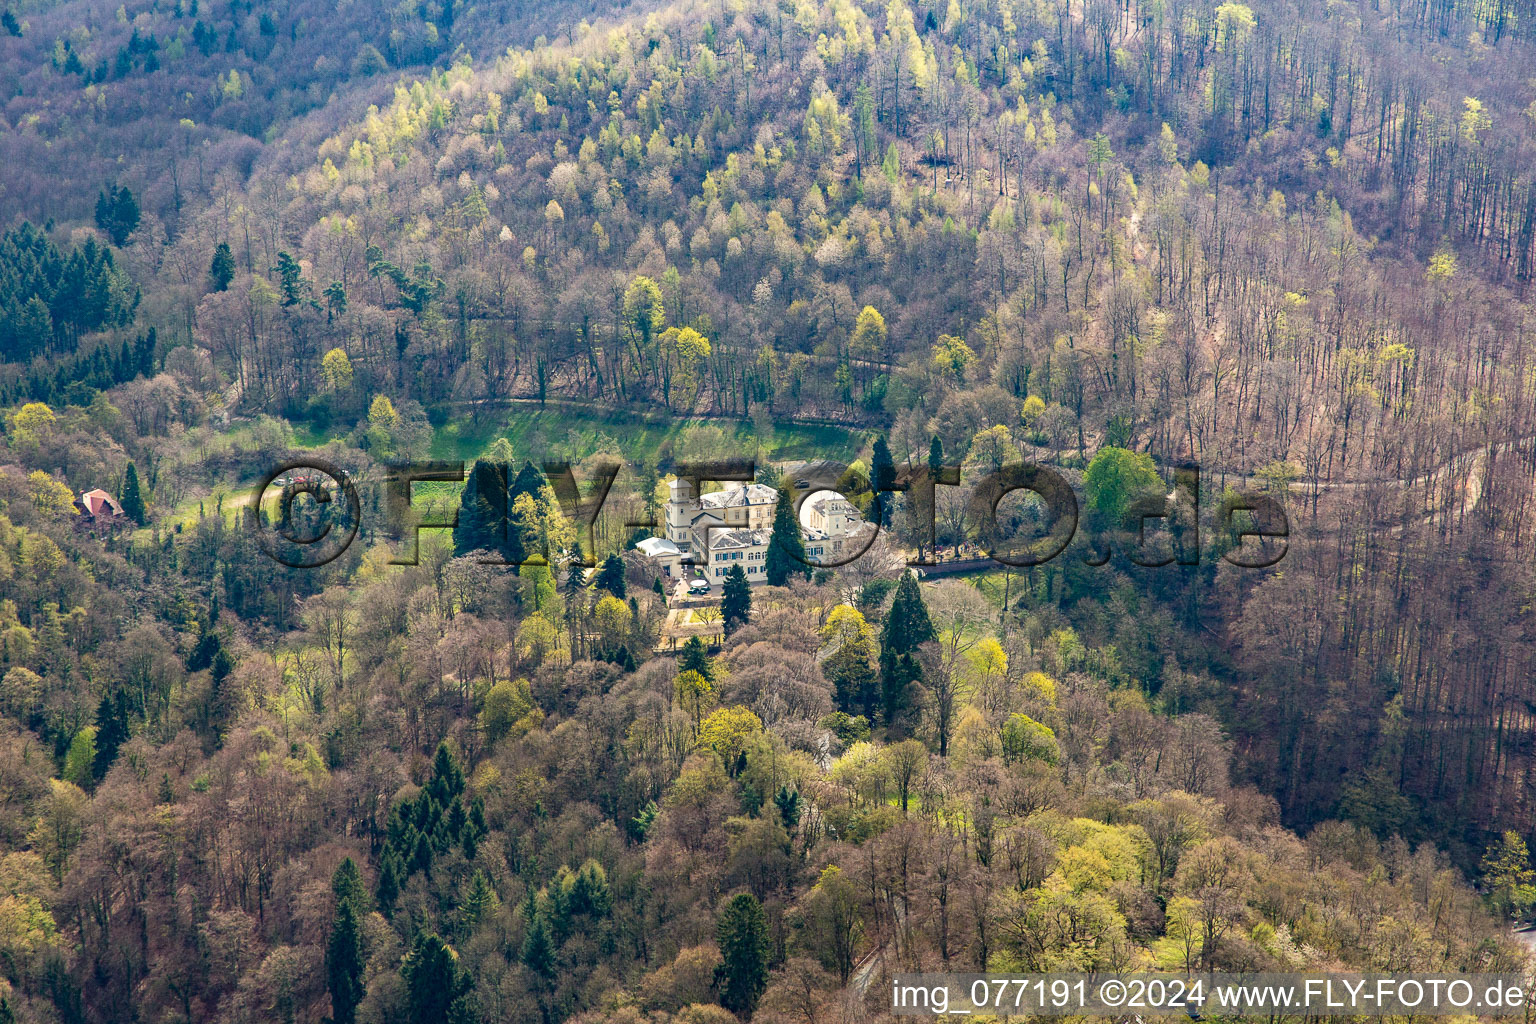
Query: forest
{"points": [[472, 773]]}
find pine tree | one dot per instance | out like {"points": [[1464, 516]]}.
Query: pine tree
{"points": [[538, 952], [575, 571], [735, 601], [788, 803], [481, 903], [529, 481], [883, 469], [447, 777], [695, 658], [483, 506], [347, 886], [344, 960], [786, 549], [611, 576], [907, 627], [434, 981], [855, 684], [742, 933], [391, 877], [222, 270], [111, 732], [117, 211], [131, 500]]}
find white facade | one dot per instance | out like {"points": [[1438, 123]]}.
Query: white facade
{"points": [[734, 527]]}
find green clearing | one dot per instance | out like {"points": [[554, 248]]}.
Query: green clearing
{"points": [[995, 583], [562, 431], [566, 432]]}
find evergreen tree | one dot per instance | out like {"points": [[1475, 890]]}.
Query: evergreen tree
{"points": [[538, 952], [131, 500], [347, 886], [695, 658], [344, 960], [788, 803], [611, 576], [907, 627], [742, 933], [290, 279], [447, 777], [483, 508], [391, 878], [111, 732], [222, 270], [575, 572], [935, 456], [735, 600], [786, 550], [434, 981], [883, 470], [855, 684], [480, 903], [896, 679], [117, 211], [208, 644], [530, 481]]}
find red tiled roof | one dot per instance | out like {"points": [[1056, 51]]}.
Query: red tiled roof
{"points": [[98, 502]]}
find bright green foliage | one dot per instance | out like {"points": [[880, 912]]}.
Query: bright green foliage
{"points": [[1025, 739], [850, 667], [726, 732], [1508, 878], [80, 761], [508, 708], [1114, 480]]}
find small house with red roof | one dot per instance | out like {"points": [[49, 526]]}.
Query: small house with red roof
{"points": [[98, 508]]}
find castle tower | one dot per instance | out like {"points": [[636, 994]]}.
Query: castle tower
{"points": [[682, 503]]}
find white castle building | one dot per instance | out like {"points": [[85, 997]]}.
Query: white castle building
{"points": [[734, 526]]}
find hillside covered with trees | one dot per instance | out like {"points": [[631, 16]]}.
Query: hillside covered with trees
{"points": [[1289, 244]]}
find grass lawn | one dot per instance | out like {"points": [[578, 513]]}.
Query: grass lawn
{"points": [[993, 584], [572, 432], [564, 431]]}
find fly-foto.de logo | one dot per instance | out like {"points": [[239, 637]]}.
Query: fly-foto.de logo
{"points": [[317, 512]]}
